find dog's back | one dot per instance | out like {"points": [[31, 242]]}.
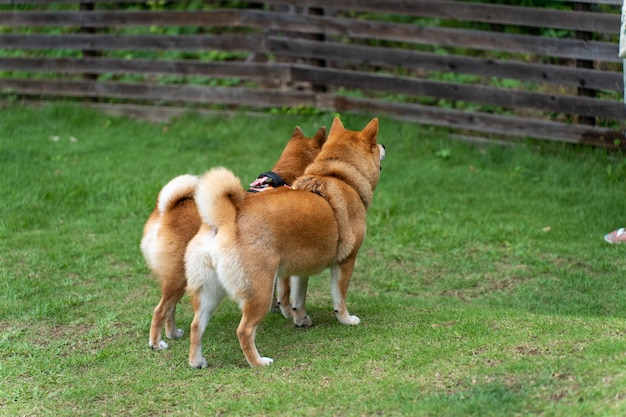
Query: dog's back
{"points": [[297, 230]]}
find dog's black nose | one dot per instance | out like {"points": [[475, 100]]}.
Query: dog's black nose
{"points": [[383, 146]]}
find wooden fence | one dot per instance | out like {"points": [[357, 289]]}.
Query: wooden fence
{"points": [[475, 67]]}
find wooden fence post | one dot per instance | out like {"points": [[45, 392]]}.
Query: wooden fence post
{"points": [[88, 53], [583, 63], [318, 88]]}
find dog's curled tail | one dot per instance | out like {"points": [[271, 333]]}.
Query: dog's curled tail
{"points": [[218, 193], [181, 187]]}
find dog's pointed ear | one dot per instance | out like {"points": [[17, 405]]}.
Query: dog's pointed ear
{"points": [[337, 125], [371, 130], [297, 133], [320, 136]]}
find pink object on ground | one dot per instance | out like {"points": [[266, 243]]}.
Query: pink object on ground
{"points": [[616, 236]]}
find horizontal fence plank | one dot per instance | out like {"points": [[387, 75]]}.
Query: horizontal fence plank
{"points": [[157, 114], [104, 42], [460, 38], [293, 2], [531, 72], [463, 92], [611, 2], [481, 122], [474, 39], [271, 73], [476, 12], [66, 1], [453, 119], [119, 18], [162, 114], [261, 98]]}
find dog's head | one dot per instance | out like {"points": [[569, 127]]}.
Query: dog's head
{"points": [[351, 158], [358, 148], [299, 153]]}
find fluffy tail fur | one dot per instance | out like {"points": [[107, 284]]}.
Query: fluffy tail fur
{"points": [[183, 186], [218, 193]]}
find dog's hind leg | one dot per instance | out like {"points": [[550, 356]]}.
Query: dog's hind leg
{"points": [[340, 280], [253, 309], [204, 301], [156, 327], [165, 313], [173, 294], [298, 295]]}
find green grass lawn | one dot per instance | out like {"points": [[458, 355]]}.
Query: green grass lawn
{"points": [[484, 286]]}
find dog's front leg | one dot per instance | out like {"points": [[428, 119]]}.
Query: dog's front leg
{"points": [[298, 295], [340, 280], [204, 301], [283, 289]]}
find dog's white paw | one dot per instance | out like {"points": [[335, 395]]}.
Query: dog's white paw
{"points": [[303, 322], [161, 346], [263, 361], [350, 320], [202, 363], [177, 334]]}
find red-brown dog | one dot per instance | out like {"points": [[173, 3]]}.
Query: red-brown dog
{"points": [[175, 221], [245, 243]]}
